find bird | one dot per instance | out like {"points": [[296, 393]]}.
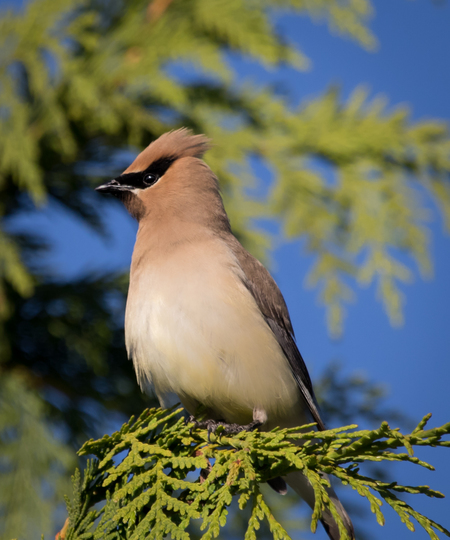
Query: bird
{"points": [[205, 323]]}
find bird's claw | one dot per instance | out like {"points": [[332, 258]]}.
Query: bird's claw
{"points": [[228, 429]]}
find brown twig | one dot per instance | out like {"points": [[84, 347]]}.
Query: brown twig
{"points": [[156, 9], [61, 535]]}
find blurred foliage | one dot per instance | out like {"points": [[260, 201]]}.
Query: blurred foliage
{"points": [[141, 476], [34, 461], [82, 81]]}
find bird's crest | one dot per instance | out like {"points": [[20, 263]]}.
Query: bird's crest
{"points": [[172, 145]]}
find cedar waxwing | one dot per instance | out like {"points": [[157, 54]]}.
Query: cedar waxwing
{"points": [[205, 322]]}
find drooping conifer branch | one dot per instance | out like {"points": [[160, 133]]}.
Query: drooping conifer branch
{"points": [[147, 476]]}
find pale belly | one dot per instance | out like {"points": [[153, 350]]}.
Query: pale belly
{"points": [[204, 339]]}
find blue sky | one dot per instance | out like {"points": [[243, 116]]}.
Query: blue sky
{"points": [[411, 66]]}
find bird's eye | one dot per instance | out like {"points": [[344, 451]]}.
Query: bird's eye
{"points": [[150, 179]]}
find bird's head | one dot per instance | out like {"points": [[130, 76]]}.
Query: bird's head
{"points": [[167, 177]]}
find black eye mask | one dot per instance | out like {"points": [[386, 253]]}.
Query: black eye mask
{"points": [[150, 176]]}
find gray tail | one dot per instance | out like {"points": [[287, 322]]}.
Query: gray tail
{"points": [[331, 526], [300, 484]]}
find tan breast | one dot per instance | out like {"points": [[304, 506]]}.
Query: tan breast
{"points": [[193, 328]]}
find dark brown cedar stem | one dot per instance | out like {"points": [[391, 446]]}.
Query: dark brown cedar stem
{"points": [[156, 9]]}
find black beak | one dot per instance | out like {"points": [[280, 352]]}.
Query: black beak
{"points": [[113, 187]]}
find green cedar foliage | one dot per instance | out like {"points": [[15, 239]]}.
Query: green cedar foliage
{"points": [[83, 80], [34, 462], [146, 476]]}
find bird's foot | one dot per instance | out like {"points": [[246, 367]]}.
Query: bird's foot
{"points": [[228, 429]]}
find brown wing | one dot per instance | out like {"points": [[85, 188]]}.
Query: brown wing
{"points": [[273, 307]]}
